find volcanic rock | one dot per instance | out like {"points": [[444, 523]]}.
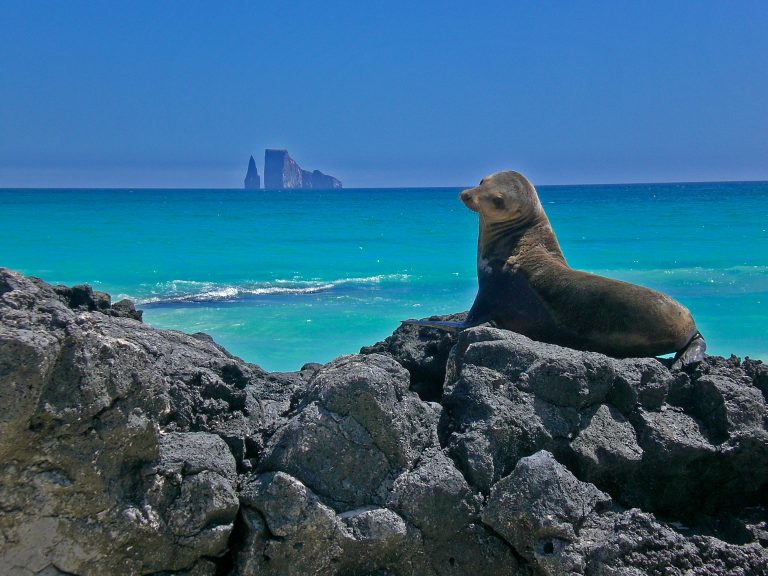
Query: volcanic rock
{"points": [[252, 179], [281, 172], [130, 450]]}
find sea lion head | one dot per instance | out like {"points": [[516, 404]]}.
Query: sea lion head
{"points": [[503, 197]]}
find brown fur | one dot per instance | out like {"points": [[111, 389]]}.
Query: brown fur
{"points": [[545, 299]]}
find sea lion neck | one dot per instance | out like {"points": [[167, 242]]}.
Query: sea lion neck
{"points": [[497, 241], [493, 236]]}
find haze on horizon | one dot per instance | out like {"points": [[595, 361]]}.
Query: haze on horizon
{"points": [[180, 94]]}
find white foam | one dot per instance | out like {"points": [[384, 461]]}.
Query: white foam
{"points": [[178, 291]]}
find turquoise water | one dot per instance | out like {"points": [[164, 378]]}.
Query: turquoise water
{"points": [[287, 277]]}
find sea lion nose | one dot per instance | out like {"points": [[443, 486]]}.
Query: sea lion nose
{"points": [[466, 196]]}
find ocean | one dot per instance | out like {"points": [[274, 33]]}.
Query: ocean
{"points": [[281, 278]]}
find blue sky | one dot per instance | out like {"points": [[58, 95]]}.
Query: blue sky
{"points": [[179, 94]]}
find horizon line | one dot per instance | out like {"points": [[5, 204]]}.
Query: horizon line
{"points": [[375, 187]]}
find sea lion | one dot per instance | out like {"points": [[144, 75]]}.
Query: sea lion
{"points": [[525, 285]]}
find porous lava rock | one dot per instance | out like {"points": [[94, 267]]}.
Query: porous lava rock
{"points": [[130, 450]]}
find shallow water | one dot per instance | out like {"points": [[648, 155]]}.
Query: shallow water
{"points": [[286, 277]]}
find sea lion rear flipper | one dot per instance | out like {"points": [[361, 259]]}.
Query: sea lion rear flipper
{"points": [[692, 353], [441, 325]]}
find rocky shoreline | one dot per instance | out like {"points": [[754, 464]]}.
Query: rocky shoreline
{"points": [[130, 450]]}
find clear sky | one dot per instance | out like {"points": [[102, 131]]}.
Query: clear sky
{"points": [[180, 94]]}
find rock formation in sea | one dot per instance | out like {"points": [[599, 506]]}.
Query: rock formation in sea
{"points": [[252, 179], [130, 450], [319, 180], [281, 171]]}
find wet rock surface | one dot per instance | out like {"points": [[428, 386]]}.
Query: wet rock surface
{"points": [[129, 450]]}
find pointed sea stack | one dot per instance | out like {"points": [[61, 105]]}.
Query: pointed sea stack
{"points": [[282, 172], [252, 179]]}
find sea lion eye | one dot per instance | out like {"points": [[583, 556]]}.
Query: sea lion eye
{"points": [[498, 202]]}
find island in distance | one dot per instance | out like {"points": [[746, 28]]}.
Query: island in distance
{"points": [[282, 172]]}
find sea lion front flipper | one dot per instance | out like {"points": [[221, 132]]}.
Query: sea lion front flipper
{"points": [[441, 325], [692, 353]]}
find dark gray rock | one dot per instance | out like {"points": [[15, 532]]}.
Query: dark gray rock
{"points": [[124, 309], [191, 494], [508, 397], [439, 502], [643, 381], [539, 509], [358, 427], [564, 526], [606, 450], [374, 391], [252, 180], [104, 467], [435, 497], [333, 454], [423, 352], [667, 442], [120, 448], [491, 424], [757, 371], [83, 297], [634, 543], [288, 530], [280, 513], [727, 406]]}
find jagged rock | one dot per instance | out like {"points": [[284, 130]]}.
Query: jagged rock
{"points": [[320, 181], [421, 351], [282, 513], [758, 372], [435, 497], [559, 376], [93, 405], [508, 397], [539, 509], [252, 180], [191, 493], [643, 381], [125, 309], [374, 391], [358, 420], [634, 543], [288, 530], [326, 450], [120, 447], [437, 500], [606, 449], [492, 424], [84, 298], [281, 172], [727, 407]]}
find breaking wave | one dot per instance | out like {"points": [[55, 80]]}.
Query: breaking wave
{"points": [[180, 291]]}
